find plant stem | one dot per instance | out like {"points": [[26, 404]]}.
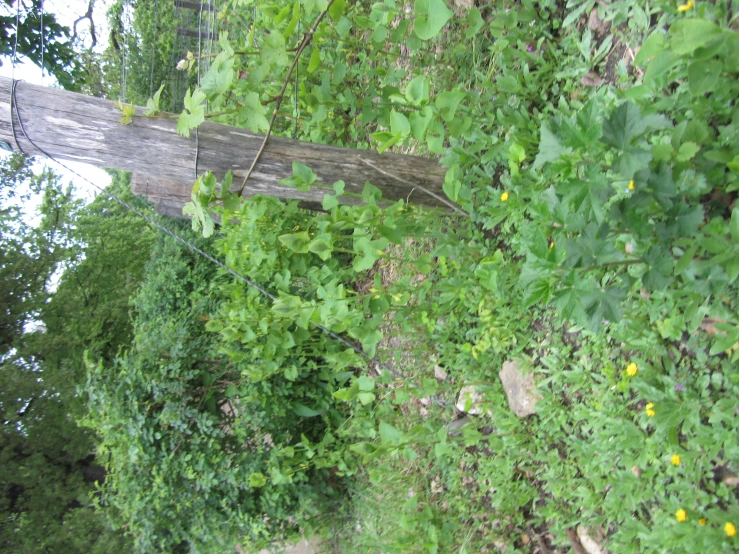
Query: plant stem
{"points": [[611, 264], [307, 39]]}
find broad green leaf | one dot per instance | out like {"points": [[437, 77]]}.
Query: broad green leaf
{"points": [[475, 22], [290, 373], [431, 16], [687, 151], [734, 225], [418, 91], [336, 10], [655, 44], [420, 122], [304, 411], [389, 434], [152, 104], [365, 383], [274, 51], [624, 124], [257, 480], [550, 147], [366, 397], [315, 60], [321, 245], [447, 103], [363, 448], [661, 63], [193, 113], [329, 202], [252, 114], [220, 75], [687, 35], [393, 234], [452, 183], [399, 124], [703, 76], [297, 242], [684, 261], [343, 27]]}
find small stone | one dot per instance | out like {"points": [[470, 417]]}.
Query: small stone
{"points": [[469, 400], [519, 388], [590, 545], [591, 79], [439, 373]]}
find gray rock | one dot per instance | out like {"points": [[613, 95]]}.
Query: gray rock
{"points": [[471, 398], [519, 388]]}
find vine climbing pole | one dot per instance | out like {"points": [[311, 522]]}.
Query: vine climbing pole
{"points": [[81, 128]]}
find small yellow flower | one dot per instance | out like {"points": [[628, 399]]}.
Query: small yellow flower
{"points": [[685, 7], [650, 409], [551, 244], [631, 369], [675, 459], [729, 529], [631, 184], [702, 521], [504, 197], [681, 515]]}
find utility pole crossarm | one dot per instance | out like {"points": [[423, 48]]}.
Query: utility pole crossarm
{"points": [[72, 126]]}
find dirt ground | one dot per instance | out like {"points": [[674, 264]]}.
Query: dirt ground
{"points": [[303, 547]]}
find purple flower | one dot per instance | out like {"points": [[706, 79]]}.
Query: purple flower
{"points": [[679, 388], [529, 48]]}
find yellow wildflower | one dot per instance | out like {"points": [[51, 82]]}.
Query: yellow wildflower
{"points": [[504, 197], [729, 529], [685, 7], [681, 515], [675, 459], [702, 521], [650, 409], [631, 184], [631, 369]]}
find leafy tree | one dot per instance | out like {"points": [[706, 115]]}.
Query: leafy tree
{"points": [[47, 463], [42, 40]]}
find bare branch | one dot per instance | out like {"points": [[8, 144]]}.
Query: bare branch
{"points": [[87, 15]]}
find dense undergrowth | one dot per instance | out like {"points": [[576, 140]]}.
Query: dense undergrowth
{"points": [[595, 155]]}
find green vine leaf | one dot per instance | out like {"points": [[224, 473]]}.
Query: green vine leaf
{"points": [[274, 51], [252, 114], [219, 77], [152, 104], [431, 16], [193, 114], [418, 91]]}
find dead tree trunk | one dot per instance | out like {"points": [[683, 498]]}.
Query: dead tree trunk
{"points": [[81, 128]]}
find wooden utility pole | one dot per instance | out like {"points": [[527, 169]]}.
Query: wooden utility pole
{"points": [[72, 126]]}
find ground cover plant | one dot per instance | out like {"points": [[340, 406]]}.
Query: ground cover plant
{"points": [[594, 151]]}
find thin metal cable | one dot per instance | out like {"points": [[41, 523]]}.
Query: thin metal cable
{"points": [[297, 74], [41, 16], [12, 88], [197, 137], [189, 245], [124, 47], [153, 47]]}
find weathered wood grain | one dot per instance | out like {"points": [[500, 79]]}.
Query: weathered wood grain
{"points": [[82, 128]]}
